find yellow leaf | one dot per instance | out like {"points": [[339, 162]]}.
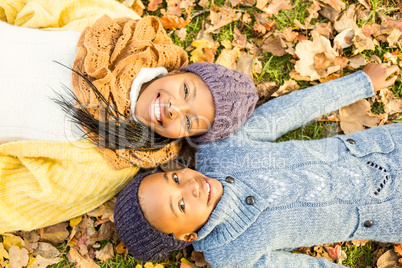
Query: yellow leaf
{"points": [[12, 240], [3, 252], [159, 265], [75, 221], [138, 266], [185, 261], [202, 51], [149, 265]]}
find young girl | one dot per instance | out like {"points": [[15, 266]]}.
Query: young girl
{"points": [[123, 100], [253, 201]]}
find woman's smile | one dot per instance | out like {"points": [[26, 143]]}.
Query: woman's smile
{"points": [[156, 110]]}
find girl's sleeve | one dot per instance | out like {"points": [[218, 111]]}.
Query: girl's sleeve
{"points": [[283, 259], [281, 115]]}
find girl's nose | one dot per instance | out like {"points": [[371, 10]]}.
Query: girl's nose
{"points": [[193, 187], [177, 110]]}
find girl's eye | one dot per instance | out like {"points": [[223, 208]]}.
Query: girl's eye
{"points": [[185, 91], [182, 206], [176, 178], [188, 124]]}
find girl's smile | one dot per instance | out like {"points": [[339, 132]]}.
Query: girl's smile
{"points": [[176, 105], [179, 202]]}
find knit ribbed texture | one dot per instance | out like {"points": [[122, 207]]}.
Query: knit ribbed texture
{"points": [[141, 239], [65, 14], [110, 54], [235, 96], [44, 183]]}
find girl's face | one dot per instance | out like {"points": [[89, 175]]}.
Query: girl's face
{"points": [[179, 202], [176, 106]]}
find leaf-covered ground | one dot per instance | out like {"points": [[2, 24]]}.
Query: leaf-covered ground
{"points": [[283, 45]]}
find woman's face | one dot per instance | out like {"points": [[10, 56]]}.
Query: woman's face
{"points": [[179, 202], [176, 106]]}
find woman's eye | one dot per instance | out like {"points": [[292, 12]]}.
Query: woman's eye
{"points": [[185, 91], [188, 124], [182, 206], [176, 178]]}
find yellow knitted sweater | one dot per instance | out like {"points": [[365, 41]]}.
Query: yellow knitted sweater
{"points": [[43, 183]]}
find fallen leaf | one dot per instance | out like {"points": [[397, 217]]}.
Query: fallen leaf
{"points": [[370, 29], [297, 76], [135, 5], [357, 61], [345, 38], [239, 39], [274, 45], [375, 59], [3, 252], [121, 248], [173, 8], [287, 87], [46, 250], [265, 90], [398, 248], [75, 221], [359, 243], [245, 64], [357, 116], [274, 7], [105, 253], [220, 17], [323, 29], [74, 257], [346, 20], [203, 50], [361, 42], [307, 51], [12, 240], [181, 34], [336, 4], [154, 5], [40, 262], [105, 232], [18, 257], [329, 12], [289, 34], [313, 12], [388, 260], [365, 3], [198, 258], [173, 22], [392, 105], [393, 37], [55, 234]]}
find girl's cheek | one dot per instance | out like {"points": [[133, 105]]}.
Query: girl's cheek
{"points": [[173, 131]]}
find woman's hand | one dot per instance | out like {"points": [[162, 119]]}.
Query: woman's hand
{"points": [[379, 73]]}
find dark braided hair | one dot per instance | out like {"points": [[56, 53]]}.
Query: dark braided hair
{"points": [[119, 132]]}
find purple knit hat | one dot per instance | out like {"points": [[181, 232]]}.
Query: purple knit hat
{"points": [[235, 96], [143, 241]]}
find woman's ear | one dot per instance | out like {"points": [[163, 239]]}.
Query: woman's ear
{"points": [[189, 237]]}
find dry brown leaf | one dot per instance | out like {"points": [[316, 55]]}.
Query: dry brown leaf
{"points": [[274, 6], [388, 259], [289, 34], [375, 59], [265, 90], [41, 262], [121, 248], [297, 76], [246, 18], [361, 42], [173, 8], [370, 29], [30, 237], [398, 249], [286, 88], [187, 4], [392, 105], [181, 34], [220, 17], [55, 234], [357, 61], [313, 12], [395, 23], [393, 37], [357, 116], [228, 57], [365, 3], [346, 20], [245, 64], [154, 5], [274, 45], [345, 38], [18, 257], [75, 257], [359, 243], [336, 253], [239, 39], [105, 232], [105, 253], [173, 22], [336, 4], [324, 29], [329, 12], [46, 250], [198, 258], [307, 51]]}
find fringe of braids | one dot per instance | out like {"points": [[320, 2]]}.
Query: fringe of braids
{"points": [[117, 133]]}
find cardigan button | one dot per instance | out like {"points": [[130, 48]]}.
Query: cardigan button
{"points": [[250, 200], [351, 141], [368, 223], [229, 179]]}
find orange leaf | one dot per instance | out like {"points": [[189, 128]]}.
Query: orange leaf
{"points": [[121, 248], [170, 22], [154, 5]]}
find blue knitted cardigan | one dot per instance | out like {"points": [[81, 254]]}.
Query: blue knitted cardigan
{"points": [[301, 193]]}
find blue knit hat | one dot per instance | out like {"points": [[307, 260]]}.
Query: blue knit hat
{"points": [[141, 239], [235, 97]]}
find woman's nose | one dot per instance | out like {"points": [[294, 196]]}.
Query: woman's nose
{"points": [[177, 110], [193, 188]]}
